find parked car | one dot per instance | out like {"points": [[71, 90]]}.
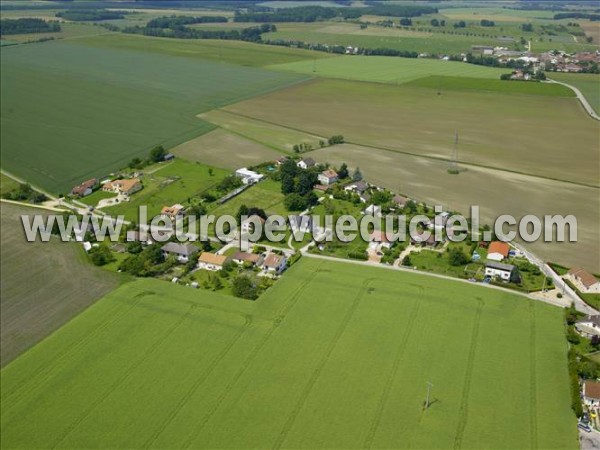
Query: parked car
{"points": [[585, 418], [585, 427]]}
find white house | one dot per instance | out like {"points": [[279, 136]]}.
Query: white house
{"points": [[583, 280], [181, 251], [378, 240], [500, 270], [589, 326], [212, 261], [249, 176], [125, 187], [306, 163], [248, 225], [274, 264], [359, 187], [247, 258], [373, 210], [328, 177], [591, 393]]}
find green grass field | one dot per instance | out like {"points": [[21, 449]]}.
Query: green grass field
{"points": [[387, 69], [233, 52], [297, 369], [104, 106], [173, 183], [265, 195], [587, 83], [44, 285]]}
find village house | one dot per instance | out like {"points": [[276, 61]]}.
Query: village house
{"points": [[498, 250], [306, 163], [274, 264], [181, 252], [506, 272], [591, 393], [400, 201], [85, 188], [359, 187], [247, 258], [249, 176], [125, 187], [169, 157], [247, 226], [281, 160], [589, 326], [328, 177], [378, 240], [421, 240], [373, 210], [584, 281], [173, 212], [212, 261]]}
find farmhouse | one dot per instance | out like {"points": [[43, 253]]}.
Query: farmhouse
{"points": [[498, 250], [306, 163], [591, 393], [249, 176], [85, 188], [589, 326], [169, 157], [212, 261], [173, 212], [248, 225], [359, 187], [245, 257], [328, 177], [125, 187], [181, 252], [506, 272], [274, 264], [583, 280]]}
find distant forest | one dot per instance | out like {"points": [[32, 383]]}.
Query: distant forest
{"points": [[27, 25]]}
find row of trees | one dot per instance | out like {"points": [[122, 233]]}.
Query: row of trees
{"points": [[179, 21], [25, 193], [252, 34], [315, 13], [85, 15], [27, 25]]}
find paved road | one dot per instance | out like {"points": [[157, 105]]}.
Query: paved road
{"points": [[589, 441], [581, 99]]}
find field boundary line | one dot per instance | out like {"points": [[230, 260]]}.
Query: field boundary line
{"points": [[463, 414], [399, 356], [321, 364], [199, 382], [533, 378], [427, 157], [156, 344], [279, 316]]}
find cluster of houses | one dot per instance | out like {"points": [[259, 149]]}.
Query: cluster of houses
{"points": [[122, 186], [270, 263], [568, 62]]}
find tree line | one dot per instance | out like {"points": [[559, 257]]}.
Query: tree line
{"points": [[252, 34], [315, 13], [27, 25], [179, 21], [85, 15]]}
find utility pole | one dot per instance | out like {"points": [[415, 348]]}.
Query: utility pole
{"points": [[429, 386]]}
